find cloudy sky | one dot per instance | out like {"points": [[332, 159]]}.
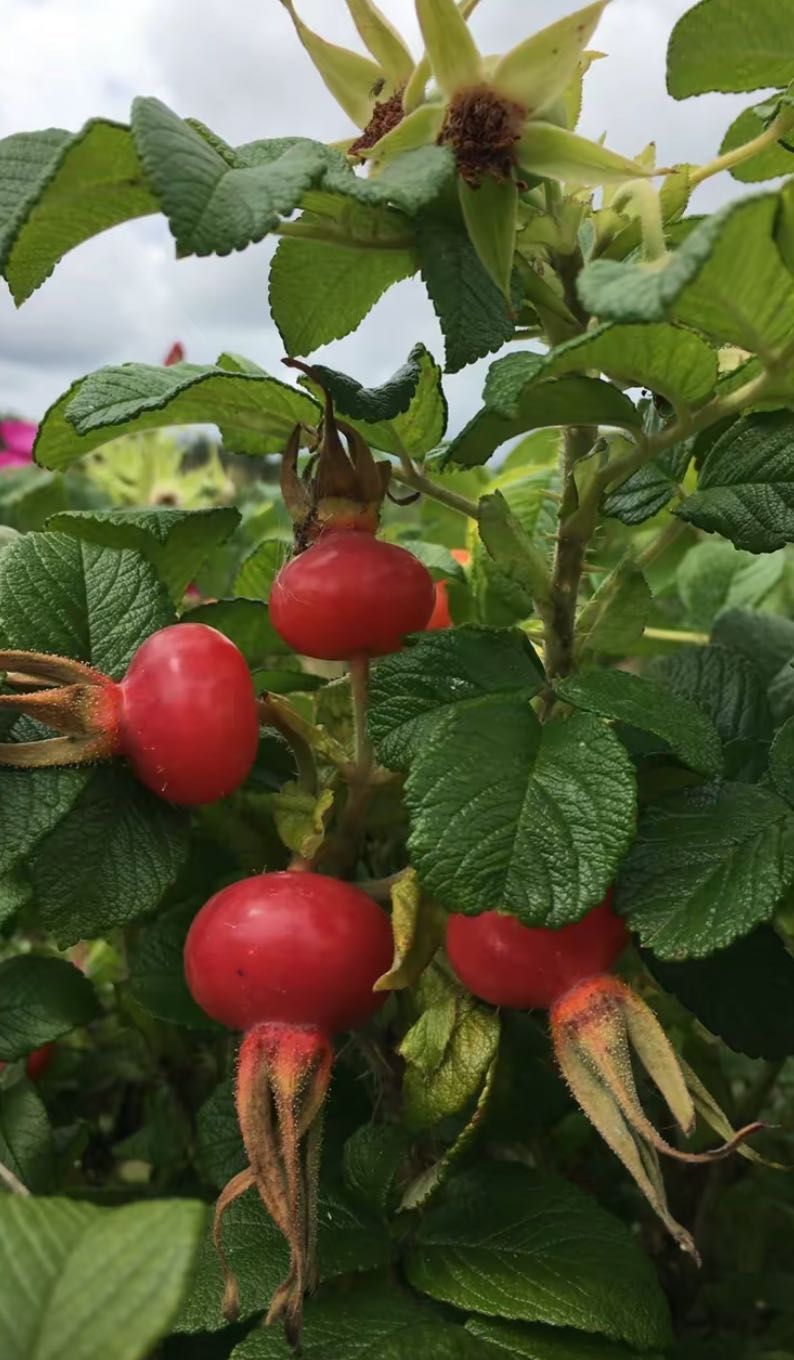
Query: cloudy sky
{"points": [[123, 296]]}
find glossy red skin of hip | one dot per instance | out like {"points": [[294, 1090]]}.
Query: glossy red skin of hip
{"points": [[350, 594], [524, 967], [188, 723], [291, 947], [440, 617]]}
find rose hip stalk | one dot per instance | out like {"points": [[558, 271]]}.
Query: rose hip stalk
{"points": [[597, 1022], [185, 714], [291, 959]]}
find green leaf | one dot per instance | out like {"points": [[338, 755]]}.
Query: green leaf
{"points": [[651, 707], [26, 1142], [256, 414], [349, 1240], [781, 762], [300, 818], [438, 560], [667, 359], [763, 639], [40, 999], [245, 622], [357, 1320], [719, 46], [157, 970], [490, 213], [27, 160], [408, 414], [742, 993], [77, 599], [32, 802], [650, 488], [320, 291], [549, 1343], [447, 1053], [613, 619], [28, 496], [709, 864], [373, 1158], [414, 690], [713, 575], [555, 806], [418, 928], [560, 401], [176, 542], [510, 1243], [109, 860], [511, 548], [730, 691], [774, 160], [726, 280], [474, 317], [259, 569], [93, 182], [55, 1301], [746, 484]]}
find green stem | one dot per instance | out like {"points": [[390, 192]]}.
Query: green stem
{"points": [[777, 128], [660, 542], [576, 525], [644, 198], [270, 716], [408, 475], [327, 236], [12, 1182], [359, 690]]}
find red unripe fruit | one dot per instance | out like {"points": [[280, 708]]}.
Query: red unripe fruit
{"points": [[291, 947], [350, 594], [188, 720], [509, 964], [38, 1061]]}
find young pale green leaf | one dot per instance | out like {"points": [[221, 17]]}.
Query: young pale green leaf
{"points": [[472, 312], [708, 866], [92, 182], [726, 280], [383, 40], [415, 689], [259, 569], [157, 969], [490, 213], [40, 999], [110, 860], [774, 160], [50, 1250], [542, 67], [511, 1243], [418, 928], [667, 359], [558, 401], [26, 1142], [439, 561], [549, 1343], [729, 689], [452, 51], [407, 414], [256, 413], [176, 542], [448, 1052], [349, 77], [511, 548], [554, 804], [300, 818], [613, 619], [745, 485], [766, 640], [718, 45], [320, 291], [713, 575], [557, 153], [742, 993], [651, 707]]}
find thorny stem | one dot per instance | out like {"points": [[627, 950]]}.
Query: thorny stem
{"points": [[12, 1182], [779, 125], [271, 716], [409, 475], [576, 525]]}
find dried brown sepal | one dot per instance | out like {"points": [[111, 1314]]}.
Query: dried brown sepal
{"points": [[69, 696], [342, 486], [597, 1027], [482, 128]]}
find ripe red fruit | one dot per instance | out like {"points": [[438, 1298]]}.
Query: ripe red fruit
{"points": [[290, 958], [509, 964], [188, 720], [350, 594], [293, 947], [440, 617]]}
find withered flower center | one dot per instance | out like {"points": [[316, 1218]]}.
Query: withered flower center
{"points": [[482, 129], [386, 115]]}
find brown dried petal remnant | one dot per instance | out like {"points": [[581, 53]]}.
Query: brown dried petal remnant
{"points": [[482, 129], [387, 114]]}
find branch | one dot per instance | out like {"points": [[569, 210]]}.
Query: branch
{"points": [[13, 1182], [777, 128], [409, 475]]}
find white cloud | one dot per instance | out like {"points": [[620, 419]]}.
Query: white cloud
{"points": [[238, 67]]}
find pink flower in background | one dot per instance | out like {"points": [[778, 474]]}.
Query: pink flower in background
{"points": [[175, 354], [16, 442]]}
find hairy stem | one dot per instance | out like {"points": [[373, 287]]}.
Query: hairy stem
{"points": [[272, 716], [576, 525], [777, 128], [409, 475]]}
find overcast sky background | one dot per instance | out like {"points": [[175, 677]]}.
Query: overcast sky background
{"points": [[238, 67]]}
